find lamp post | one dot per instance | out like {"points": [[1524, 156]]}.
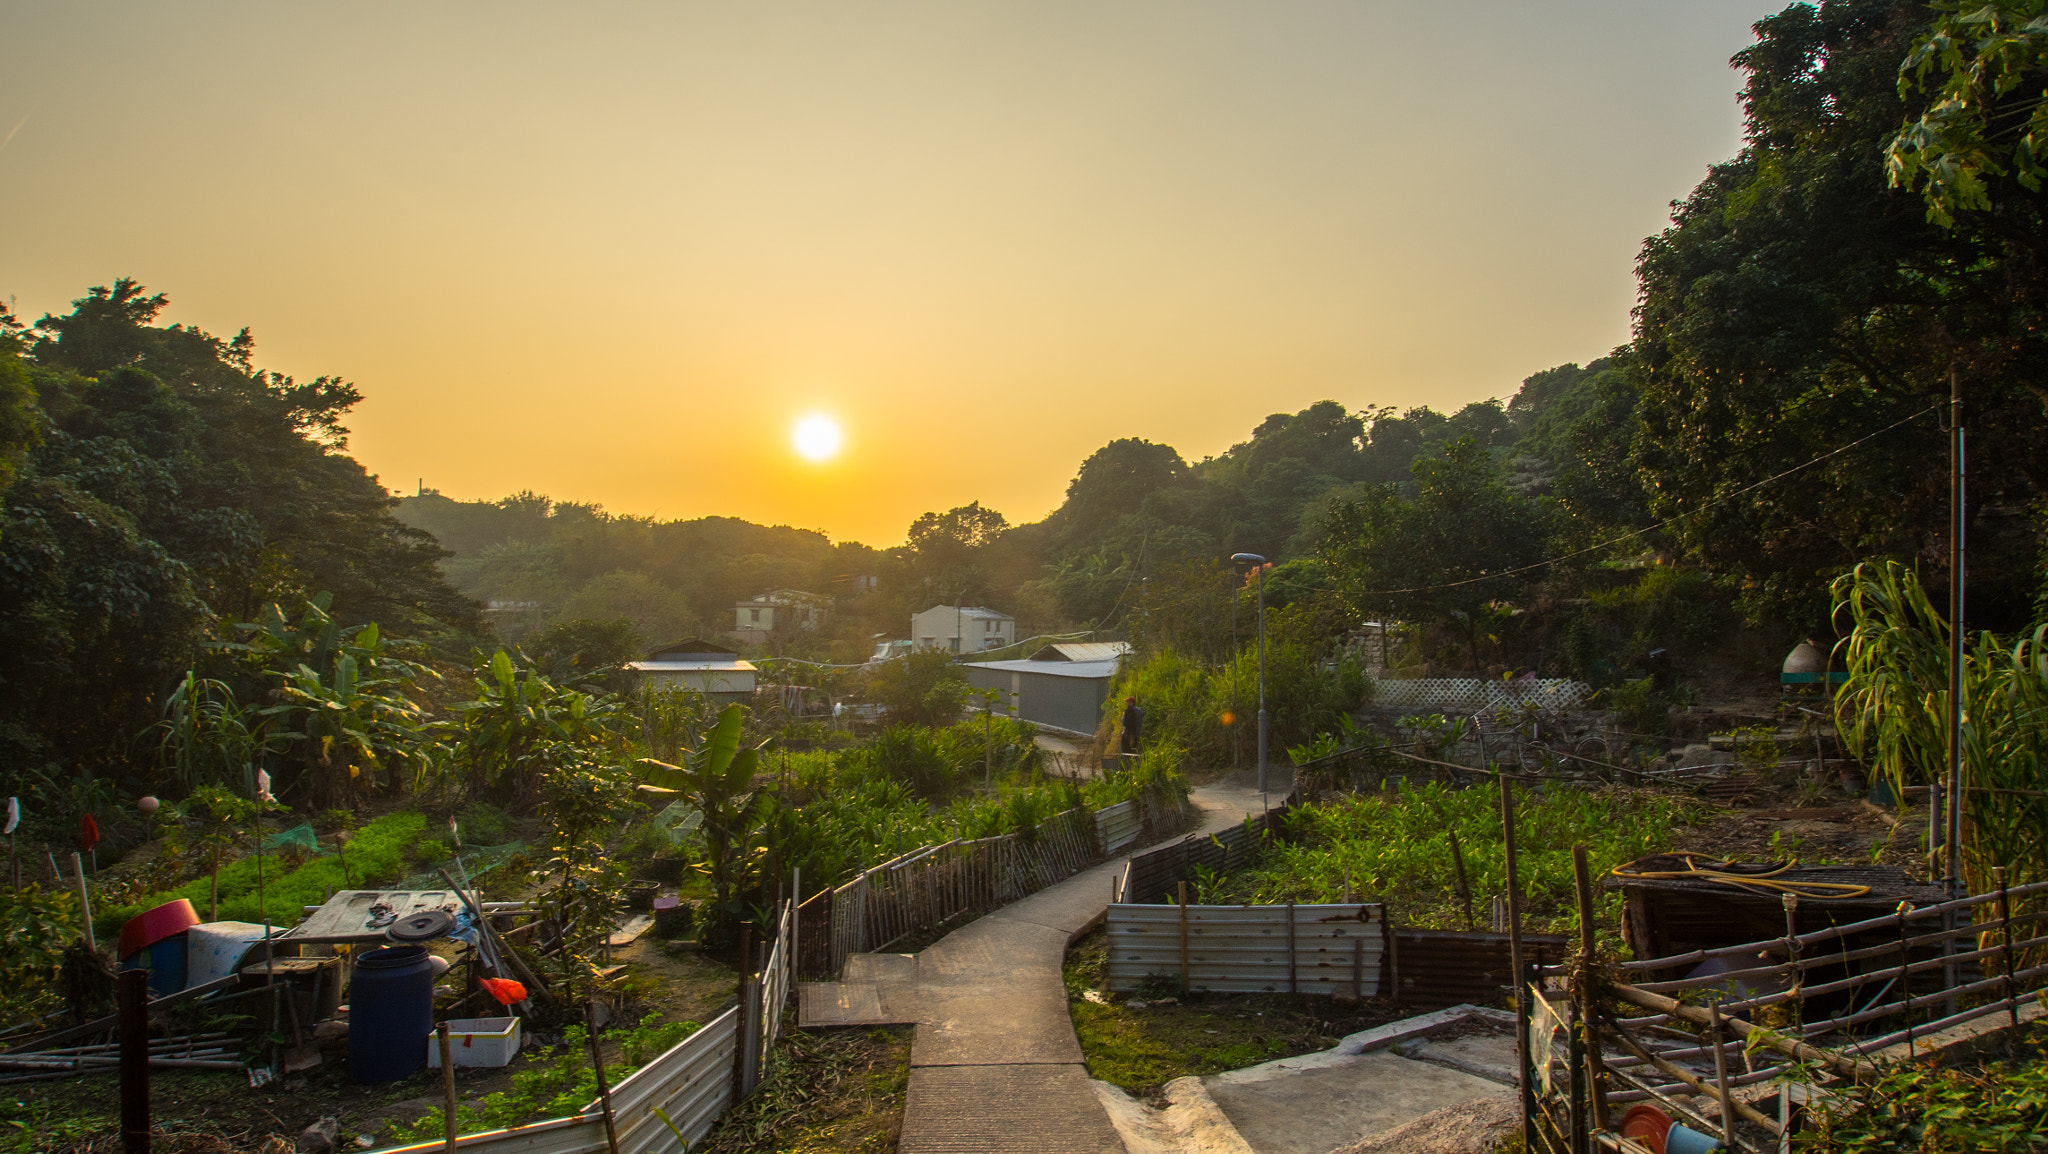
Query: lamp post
{"points": [[1255, 559]]}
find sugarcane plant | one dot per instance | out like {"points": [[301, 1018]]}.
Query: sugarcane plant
{"points": [[1893, 713]]}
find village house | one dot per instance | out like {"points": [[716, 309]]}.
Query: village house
{"points": [[961, 629]]}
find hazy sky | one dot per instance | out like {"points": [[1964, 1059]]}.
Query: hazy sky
{"points": [[614, 252]]}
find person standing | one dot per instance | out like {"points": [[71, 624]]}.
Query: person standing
{"points": [[1133, 727]]}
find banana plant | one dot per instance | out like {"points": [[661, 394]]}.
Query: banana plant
{"points": [[350, 718], [717, 776], [509, 733]]}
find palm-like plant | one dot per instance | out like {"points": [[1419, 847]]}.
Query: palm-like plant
{"points": [[353, 715], [717, 776]]}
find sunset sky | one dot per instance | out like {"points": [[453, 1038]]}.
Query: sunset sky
{"points": [[617, 252]]}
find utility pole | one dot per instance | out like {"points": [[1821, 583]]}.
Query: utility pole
{"points": [[1255, 559], [1957, 555]]}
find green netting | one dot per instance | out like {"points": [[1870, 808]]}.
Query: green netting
{"points": [[476, 862], [300, 837]]}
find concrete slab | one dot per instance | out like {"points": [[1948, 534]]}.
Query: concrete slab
{"points": [[1460, 1129], [1314, 1108], [1051, 1109], [854, 1004], [1488, 1056], [879, 968], [1026, 1022]]}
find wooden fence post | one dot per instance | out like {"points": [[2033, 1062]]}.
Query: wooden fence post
{"points": [[450, 1128], [133, 989], [1183, 939], [1583, 991], [1721, 1072], [1293, 971]]}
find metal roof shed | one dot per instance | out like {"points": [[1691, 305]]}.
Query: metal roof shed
{"points": [[1061, 694]]}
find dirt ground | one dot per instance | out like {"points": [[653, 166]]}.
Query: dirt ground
{"points": [[823, 1091]]}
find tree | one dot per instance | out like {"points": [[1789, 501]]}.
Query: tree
{"points": [[920, 689], [163, 487], [1798, 304], [1447, 556]]}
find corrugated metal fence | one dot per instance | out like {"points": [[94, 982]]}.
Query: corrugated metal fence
{"points": [[694, 1082], [1290, 949], [926, 888], [1119, 825]]}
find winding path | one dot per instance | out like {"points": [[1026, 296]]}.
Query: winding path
{"points": [[994, 1064]]}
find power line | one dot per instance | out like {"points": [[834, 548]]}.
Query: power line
{"points": [[1659, 525]]}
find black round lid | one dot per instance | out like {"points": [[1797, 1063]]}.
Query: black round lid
{"points": [[423, 926]]}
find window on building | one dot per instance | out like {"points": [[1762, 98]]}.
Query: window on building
{"points": [[754, 615]]}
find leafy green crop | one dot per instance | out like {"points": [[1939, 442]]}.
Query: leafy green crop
{"points": [[1397, 847], [556, 1081], [376, 853], [1999, 1109]]}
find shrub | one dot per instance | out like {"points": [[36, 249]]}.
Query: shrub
{"points": [[37, 925], [482, 823]]}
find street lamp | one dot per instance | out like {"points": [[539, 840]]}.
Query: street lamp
{"points": [[1255, 559]]}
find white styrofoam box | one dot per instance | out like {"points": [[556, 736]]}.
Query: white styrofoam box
{"points": [[476, 1042]]}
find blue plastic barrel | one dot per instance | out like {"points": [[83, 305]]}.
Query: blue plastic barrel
{"points": [[165, 961], [390, 1013]]}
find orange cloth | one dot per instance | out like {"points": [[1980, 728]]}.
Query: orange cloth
{"points": [[505, 990]]}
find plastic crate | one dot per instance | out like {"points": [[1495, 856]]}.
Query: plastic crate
{"points": [[476, 1042]]}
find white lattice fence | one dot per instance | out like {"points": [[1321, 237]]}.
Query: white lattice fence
{"points": [[1467, 695]]}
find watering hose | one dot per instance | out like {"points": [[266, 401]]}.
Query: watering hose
{"points": [[1715, 871]]}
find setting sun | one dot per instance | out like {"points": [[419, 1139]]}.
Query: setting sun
{"points": [[818, 437]]}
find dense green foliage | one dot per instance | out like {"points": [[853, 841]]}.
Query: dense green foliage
{"points": [[1798, 303], [162, 488], [1396, 846], [1997, 1109]]}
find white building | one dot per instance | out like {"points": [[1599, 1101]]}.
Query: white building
{"points": [[712, 670], [961, 629]]}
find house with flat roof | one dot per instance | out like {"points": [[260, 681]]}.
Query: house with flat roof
{"points": [[961, 629], [713, 670], [1062, 686], [779, 611]]}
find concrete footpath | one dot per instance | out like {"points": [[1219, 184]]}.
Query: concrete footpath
{"points": [[994, 1064]]}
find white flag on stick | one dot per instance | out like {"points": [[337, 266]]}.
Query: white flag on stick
{"points": [[13, 814]]}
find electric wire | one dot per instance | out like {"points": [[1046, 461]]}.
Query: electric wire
{"points": [[1634, 533]]}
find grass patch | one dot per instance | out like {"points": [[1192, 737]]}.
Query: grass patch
{"points": [[833, 1090], [1142, 1049]]}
